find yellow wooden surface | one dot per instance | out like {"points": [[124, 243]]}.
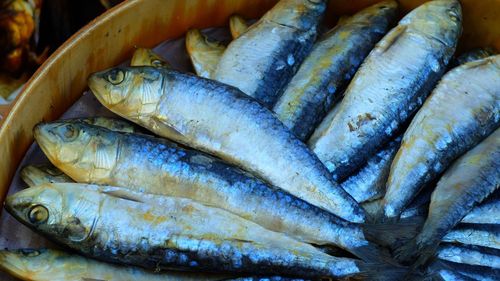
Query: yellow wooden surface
{"points": [[111, 38]]}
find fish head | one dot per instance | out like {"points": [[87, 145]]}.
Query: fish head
{"points": [[382, 15], [440, 20], [27, 264], [300, 14], [146, 57], [131, 92], [36, 175], [64, 212], [84, 152]]}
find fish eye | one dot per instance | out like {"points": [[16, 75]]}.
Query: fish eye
{"points": [[70, 132], [38, 214], [156, 62], [115, 77]]}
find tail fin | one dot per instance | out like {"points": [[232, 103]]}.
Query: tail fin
{"points": [[372, 253], [392, 235], [383, 272]]}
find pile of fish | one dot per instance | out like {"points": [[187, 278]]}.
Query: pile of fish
{"points": [[367, 152]]}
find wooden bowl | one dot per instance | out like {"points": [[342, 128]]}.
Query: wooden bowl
{"points": [[111, 38]]}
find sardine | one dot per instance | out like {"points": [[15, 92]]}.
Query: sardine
{"points": [[461, 111], [204, 53], [468, 181], [467, 254], [147, 57], [237, 25], [332, 62], [37, 175], [221, 120], [54, 265], [391, 84], [95, 155], [160, 232], [488, 212], [369, 183], [263, 59], [472, 55], [484, 235]]}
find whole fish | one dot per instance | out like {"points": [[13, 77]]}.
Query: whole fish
{"points": [[91, 154], [484, 235], [221, 120], [467, 182], [474, 272], [467, 254], [462, 110], [237, 25], [472, 55], [261, 61], [390, 85], [147, 57], [488, 212], [332, 62], [204, 53], [160, 232], [369, 183], [54, 265], [40, 174]]}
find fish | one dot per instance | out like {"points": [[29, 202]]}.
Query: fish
{"points": [[488, 212], [334, 59], [205, 54], [466, 183], [55, 265], [467, 254], [118, 225], [39, 174], [390, 85], [369, 183], [237, 26], [472, 55], [462, 110], [142, 163], [484, 235], [221, 120], [261, 61], [147, 57]]}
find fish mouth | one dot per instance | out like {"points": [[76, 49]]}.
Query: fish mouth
{"points": [[46, 138]]}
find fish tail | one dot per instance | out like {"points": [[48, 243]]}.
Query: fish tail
{"points": [[392, 235], [373, 253], [383, 272]]}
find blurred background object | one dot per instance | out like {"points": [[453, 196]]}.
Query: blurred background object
{"points": [[31, 29]]}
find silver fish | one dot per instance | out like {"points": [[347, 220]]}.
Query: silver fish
{"points": [[221, 120], [390, 85], [332, 62], [488, 212], [204, 53], [261, 61], [95, 155], [469, 180], [462, 110], [237, 25], [147, 57], [40, 174], [54, 265], [369, 183], [467, 254], [484, 235], [160, 232]]}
